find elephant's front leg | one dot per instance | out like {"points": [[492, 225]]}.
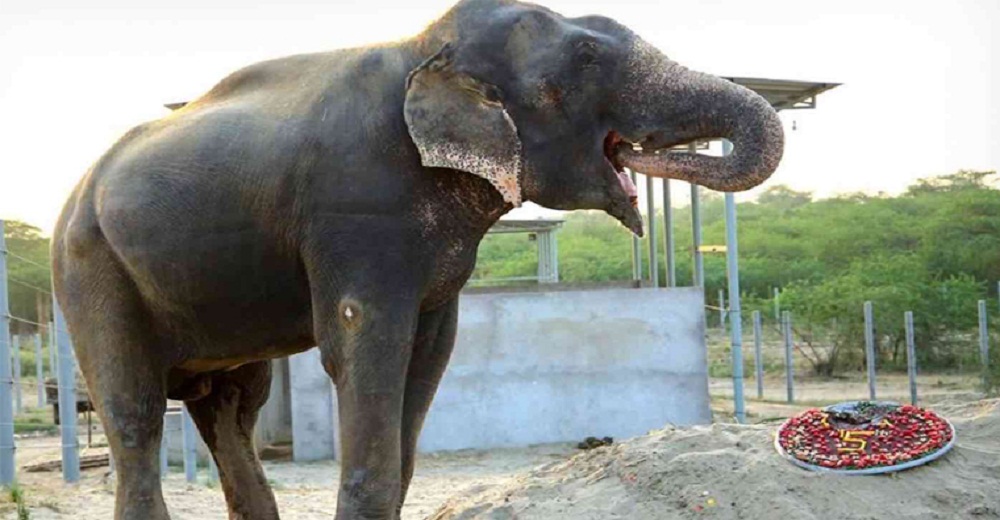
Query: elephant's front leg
{"points": [[365, 343]]}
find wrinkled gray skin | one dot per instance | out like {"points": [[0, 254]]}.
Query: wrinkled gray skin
{"points": [[337, 199]]}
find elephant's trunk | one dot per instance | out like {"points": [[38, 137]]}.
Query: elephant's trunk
{"points": [[672, 105]]}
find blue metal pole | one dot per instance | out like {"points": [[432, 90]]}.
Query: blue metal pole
{"points": [[757, 354], [735, 316], [786, 322], [777, 305], [67, 398], [698, 260], [190, 445], [636, 246], [39, 371], [18, 401], [53, 364], [870, 348], [668, 236], [722, 309], [7, 472], [984, 341], [654, 262], [164, 466], [911, 357]]}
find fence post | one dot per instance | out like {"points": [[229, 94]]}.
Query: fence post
{"points": [[786, 320], [984, 342], [870, 348], [654, 261], [636, 245], [213, 471], [758, 358], [777, 306], [722, 309], [6, 381], [39, 370], [164, 466], [53, 361], [668, 236], [18, 405], [190, 445], [67, 397], [911, 357]]}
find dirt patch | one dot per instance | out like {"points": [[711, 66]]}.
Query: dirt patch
{"points": [[303, 491], [731, 471]]}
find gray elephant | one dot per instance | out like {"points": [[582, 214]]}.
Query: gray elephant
{"points": [[337, 199]]}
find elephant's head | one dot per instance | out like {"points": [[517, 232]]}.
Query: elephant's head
{"points": [[553, 109]]}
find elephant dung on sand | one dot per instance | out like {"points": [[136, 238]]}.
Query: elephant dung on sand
{"points": [[337, 199]]}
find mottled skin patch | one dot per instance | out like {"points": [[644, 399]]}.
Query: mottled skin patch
{"points": [[323, 199]]}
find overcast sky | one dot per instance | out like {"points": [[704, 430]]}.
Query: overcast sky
{"points": [[919, 95]]}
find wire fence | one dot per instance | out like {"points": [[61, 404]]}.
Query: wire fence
{"points": [[38, 369]]}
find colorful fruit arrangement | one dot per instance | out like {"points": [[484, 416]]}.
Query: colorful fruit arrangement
{"points": [[862, 435]]}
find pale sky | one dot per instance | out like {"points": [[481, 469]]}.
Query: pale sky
{"points": [[920, 94]]}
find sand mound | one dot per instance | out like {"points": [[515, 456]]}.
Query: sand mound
{"points": [[732, 471]]}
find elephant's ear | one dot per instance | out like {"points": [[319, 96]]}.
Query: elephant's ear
{"points": [[459, 122]]}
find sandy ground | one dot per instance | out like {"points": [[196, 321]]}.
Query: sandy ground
{"points": [[729, 471], [715, 455], [303, 491]]}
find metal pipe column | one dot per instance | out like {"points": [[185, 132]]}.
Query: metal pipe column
{"points": [[735, 316], [698, 263], [39, 372], [911, 356], [984, 341], [668, 236], [757, 355], [654, 262], [67, 398], [636, 247], [7, 474], [870, 348]]}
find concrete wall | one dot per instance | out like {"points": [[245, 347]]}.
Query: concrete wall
{"points": [[560, 366], [538, 367]]}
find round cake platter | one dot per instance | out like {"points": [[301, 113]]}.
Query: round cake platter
{"points": [[864, 438]]}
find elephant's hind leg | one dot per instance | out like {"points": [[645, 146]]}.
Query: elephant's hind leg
{"points": [[123, 367], [226, 418]]}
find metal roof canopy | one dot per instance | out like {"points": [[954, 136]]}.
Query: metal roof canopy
{"points": [[785, 94], [526, 225]]}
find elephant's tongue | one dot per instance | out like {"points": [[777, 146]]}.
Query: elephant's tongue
{"points": [[629, 187]]}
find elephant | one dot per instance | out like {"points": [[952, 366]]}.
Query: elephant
{"points": [[336, 200]]}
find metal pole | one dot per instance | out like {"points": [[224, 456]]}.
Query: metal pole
{"points": [[777, 305], [735, 318], [18, 406], [213, 471], [668, 236], [7, 474], [870, 348], [911, 357], [164, 466], [722, 309], [53, 364], [67, 398], [636, 247], [189, 440], [39, 371], [984, 341], [654, 262], [786, 321], [698, 261], [758, 357]]}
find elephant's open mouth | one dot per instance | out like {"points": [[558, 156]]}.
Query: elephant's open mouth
{"points": [[621, 153], [611, 142]]}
